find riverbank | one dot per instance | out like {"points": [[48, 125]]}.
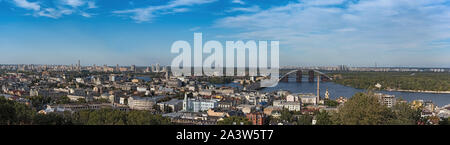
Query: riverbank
{"points": [[419, 91], [337, 90], [417, 82]]}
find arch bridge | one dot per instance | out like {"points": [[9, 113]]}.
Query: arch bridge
{"points": [[299, 74]]}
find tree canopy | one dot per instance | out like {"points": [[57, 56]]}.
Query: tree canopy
{"points": [[234, 119], [364, 109], [15, 113]]}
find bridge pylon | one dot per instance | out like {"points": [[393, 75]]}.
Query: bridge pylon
{"points": [[311, 76], [299, 76]]}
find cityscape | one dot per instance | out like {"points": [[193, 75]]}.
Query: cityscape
{"points": [[156, 97], [249, 63]]}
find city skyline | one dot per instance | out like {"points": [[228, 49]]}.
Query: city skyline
{"points": [[411, 33]]}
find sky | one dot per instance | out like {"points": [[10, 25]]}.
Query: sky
{"points": [[408, 33]]}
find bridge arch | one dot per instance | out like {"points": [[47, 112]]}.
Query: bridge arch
{"points": [[297, 70]]}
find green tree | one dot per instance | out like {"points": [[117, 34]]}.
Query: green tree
{"points": [[305, 120], [331, 103], [115, 117], [81, 100], [63, 100], [138, 118], [23, 113], [51, 119], [323, 118], [97, 117], [445, 121], [7, 112], [405, 115], [14, 113], [234, 119], [363, 109], [286, 115], [38, 102]]}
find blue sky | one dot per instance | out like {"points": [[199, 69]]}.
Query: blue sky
{"points": [[311, 32]]}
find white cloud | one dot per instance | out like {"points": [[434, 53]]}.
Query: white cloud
{"points": [[321, 31], [147, 14], [346, 30], [74, 3], [54, 13], [92, 5], [84, 14], [238, 2], [177, 3], [27, 5], [323, 2], [60, 8], [139, 15], [244, 9]]}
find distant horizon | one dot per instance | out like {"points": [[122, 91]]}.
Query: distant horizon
{"points": [[393, 33], [281, 67]]}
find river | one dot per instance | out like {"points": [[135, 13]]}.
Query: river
{"points": [[337, 90]]}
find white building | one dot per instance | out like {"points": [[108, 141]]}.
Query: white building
{"points": [[143, 103], [385, 99], [291, 106], [197, 105], [292, 98], [308, 98], [141, 89]]}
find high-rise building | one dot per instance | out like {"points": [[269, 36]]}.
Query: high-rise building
{"points": [[133, 68], [157, 67], [153, 68], [79, 65], [385, 99]]}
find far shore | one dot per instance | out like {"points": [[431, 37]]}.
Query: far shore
{"points": [[420, 91]]}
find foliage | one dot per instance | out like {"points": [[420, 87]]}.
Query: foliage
{"points": [[323, 118], [51, 119], [234, 119], [305, 120], [81, 100], [396, 80], [445, 121], [363, 109], [287, 115], [63, 100], [405, 115], [14, 113], [218, 80], [117, 117], [331, 103], [39, 101]]}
